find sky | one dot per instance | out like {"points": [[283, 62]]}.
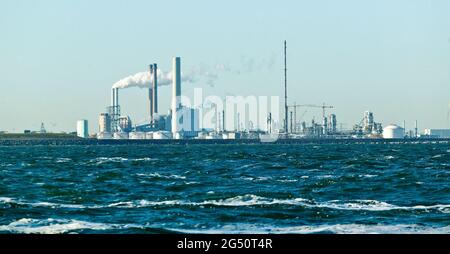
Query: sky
{"points": [[59, 58]]}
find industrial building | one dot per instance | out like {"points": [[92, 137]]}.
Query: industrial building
{"points": [[104, 123], [82, 129], [437, 133], [367, 127], [180, 122], [183, 122], [393, 131]]}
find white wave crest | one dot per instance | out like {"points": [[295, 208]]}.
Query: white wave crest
{"points": [[102, 160], [161, 176], [51, 226], [63, 160], [6, 200], [246, 200], [334, 229], [254, 200]]}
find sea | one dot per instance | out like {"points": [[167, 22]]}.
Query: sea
{"points": [[231, 188]]}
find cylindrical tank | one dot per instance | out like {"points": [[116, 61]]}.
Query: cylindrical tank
{"points": [[393, 131]]}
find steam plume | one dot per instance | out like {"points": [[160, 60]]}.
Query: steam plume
{"points": [[144, 80]]}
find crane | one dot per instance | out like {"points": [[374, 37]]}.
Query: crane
{"points": [[323, 107]]}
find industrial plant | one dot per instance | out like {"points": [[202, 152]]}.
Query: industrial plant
{"points": [[113, 125], [184, 122]]}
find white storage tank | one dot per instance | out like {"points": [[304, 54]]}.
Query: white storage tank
{"points": [[120, 135], [269, 137], [393, 131], [162, 135]]}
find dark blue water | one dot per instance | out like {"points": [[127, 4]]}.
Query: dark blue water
{"points": [[355, 188]]}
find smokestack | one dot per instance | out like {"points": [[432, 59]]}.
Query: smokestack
{"points": [[150, 103], [404, 128], [113, 100], [117, 101], [415, 131], [176, 92], [223, 120], [285, 91], [150, 97], [155, 89]]}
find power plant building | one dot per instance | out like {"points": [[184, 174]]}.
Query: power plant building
{"points": [[104, 123], [189, 122], [180, 122], [125, 123]]}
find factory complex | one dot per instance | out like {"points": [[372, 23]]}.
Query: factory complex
{"points": [[185, 122]]}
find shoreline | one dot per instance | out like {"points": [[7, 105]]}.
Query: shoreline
{"points": [[79, 141]]}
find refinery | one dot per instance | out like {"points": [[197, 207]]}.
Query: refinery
{"points": [[185, 122]]}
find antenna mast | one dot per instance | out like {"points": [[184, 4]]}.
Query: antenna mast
{"points": [[285, 91]]}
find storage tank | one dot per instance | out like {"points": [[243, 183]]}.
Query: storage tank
{"points": [[268, 137], [393, 131]]}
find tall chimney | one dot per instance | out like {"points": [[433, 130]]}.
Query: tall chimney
{"points": [[223, 120], [176, 93], [150, 103], [117, 101], [150, 96], [155, 89], [113, 100], [416, 134], [285, 92]]}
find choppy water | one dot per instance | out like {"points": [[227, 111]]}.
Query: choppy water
{"points": [[355, 188]]}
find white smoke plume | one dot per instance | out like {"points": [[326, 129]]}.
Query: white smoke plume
{"points": [[144, 80], [201, 73]]}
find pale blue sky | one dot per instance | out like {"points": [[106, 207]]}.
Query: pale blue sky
{"points": [[58, 59]]}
